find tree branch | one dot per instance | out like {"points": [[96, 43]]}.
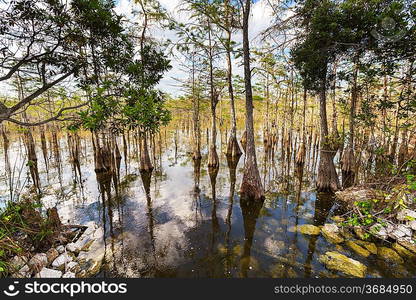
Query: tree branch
{"points": [[32, 96], [54, 118]]}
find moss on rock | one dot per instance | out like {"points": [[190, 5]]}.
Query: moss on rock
{"points": [[358, 249], [332, 233], [307, 229], [339, 262], [389, 254]]}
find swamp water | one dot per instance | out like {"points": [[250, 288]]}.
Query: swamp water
{"points": [[183, 221]]}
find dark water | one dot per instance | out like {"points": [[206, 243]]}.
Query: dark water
{"points": [[187, 222]]}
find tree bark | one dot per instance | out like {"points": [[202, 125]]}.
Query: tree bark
{"points": [[195, 116], [348, 158], [233, 149], [213, 161], [251, 186], [145, 162], [327, 180]]}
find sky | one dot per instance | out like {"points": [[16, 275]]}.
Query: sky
{"points": [[260, 19]]}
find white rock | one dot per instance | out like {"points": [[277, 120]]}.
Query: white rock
{"points": [[98, 234], [83, 255], [379, 231], [71, 247], [404, 214], [82, 242], [38, 261], [406, 229], [24, 272], [49, 273], [413, 224], [72, 266], [61, 260], [61, 249], [17, 262], [400, 231], [331, 233], [69, 275]]}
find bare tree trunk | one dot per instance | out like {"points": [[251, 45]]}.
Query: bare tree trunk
{"points": [[195, 117], [300, 156], [348, 158], [145, 162], [327, 180], [251, 186], [44, 148], [213, 161], [233, 149]]}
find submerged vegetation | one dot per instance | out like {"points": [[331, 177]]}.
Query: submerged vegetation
{"points": [[322, 101]]}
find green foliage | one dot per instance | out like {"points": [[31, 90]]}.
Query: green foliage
{"points": [[101, 110], [21, 226], [349, 27], [145, 109], [313, 54], [411, 182], [81, 38]]}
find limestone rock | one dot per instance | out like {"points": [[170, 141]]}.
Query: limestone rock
{"points": [[346, 234], [49, 273], [37, 262], [332, 233], [339, 262], [60, 249], [400, 231], [368, 245], [403, 252], [307, 229], [24, 272], [380, 231], [98, 234], [389, 254], [17, 262], [82, 244], [61, 261], [86, 239], [72, 267], [413, 225], [358, 249], [91, 227], [340, 249], [52, 254], [90, 261], [69, 275], [408, 243], [71, 247], [89, 268], [359, 232], [406, 214]]}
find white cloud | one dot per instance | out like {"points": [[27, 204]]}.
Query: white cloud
{"points": [[125, 8], [261, 17]]}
